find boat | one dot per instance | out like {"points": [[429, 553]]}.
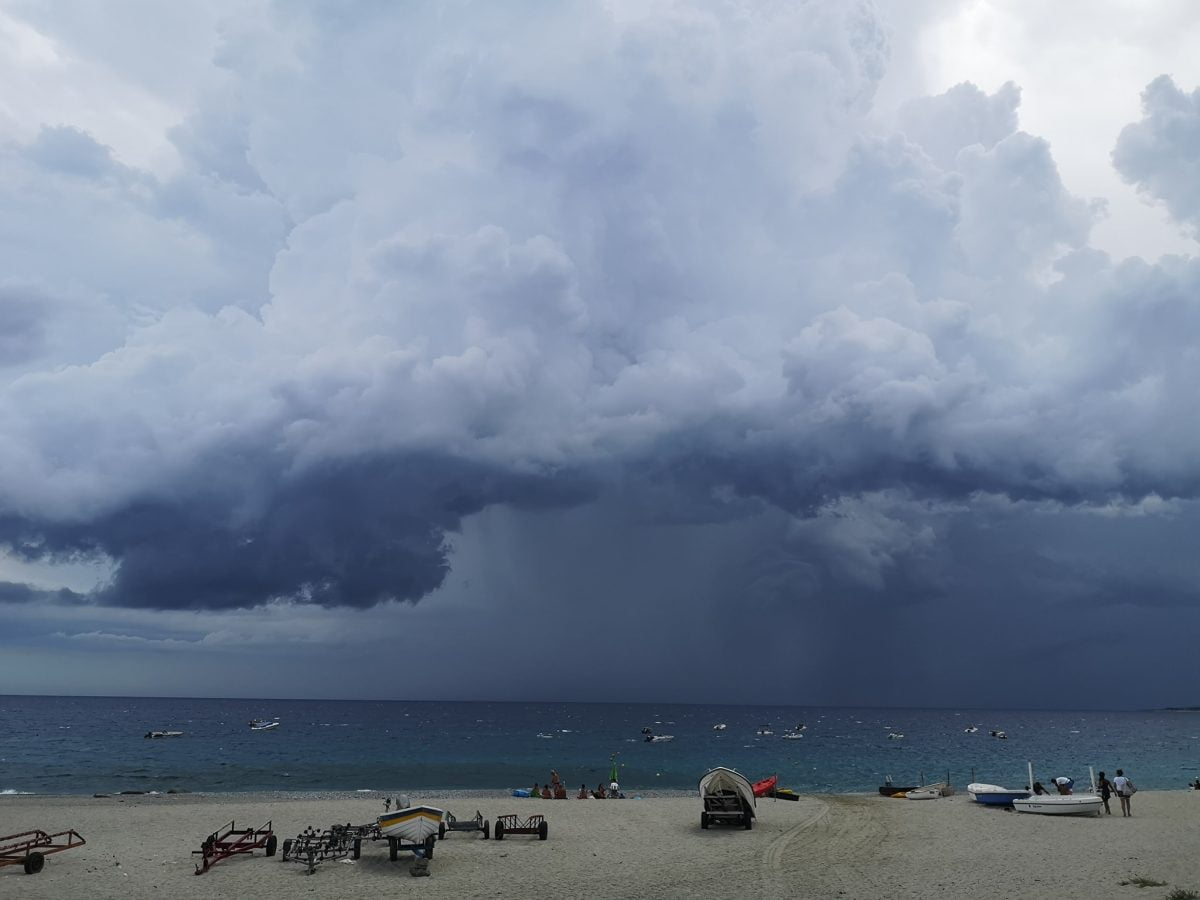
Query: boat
{"points": [[1061, 804], [926, 793], [263, 724], [163, 734], [764, 730], [894, 736], [784, 794], [728, 798], [1082, 804], [765, 786], [792, 735], [659, 738], [411, 824], [543, 734], [971, 730], [887, 789], [1000, 735], [994, 794], [721, 726]]}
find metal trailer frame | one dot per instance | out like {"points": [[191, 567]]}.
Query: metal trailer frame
{"points": [[513, 824], [30, 848], [475, 823], [312, 847], [232, 841]]}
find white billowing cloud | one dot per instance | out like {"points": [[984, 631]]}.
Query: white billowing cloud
{"points": [[964, 116], [1161, 153]]}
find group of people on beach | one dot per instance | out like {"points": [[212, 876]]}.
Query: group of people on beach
{"points": [[554, 789], [1121, 785]]}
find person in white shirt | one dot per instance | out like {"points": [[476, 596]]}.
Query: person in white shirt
{"points": [[1123, 785]]}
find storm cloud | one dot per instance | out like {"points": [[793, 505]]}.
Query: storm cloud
{"points": [[413, 285]]}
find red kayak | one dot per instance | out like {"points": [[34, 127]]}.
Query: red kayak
{"points": [[764, 787]]}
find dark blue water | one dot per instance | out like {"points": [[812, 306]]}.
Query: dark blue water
{"points": [[85, 745]]}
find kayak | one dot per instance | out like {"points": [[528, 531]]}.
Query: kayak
{"points": [[764, 787]]}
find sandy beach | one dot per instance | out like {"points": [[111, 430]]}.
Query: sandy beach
{"points": [[845, 846]]}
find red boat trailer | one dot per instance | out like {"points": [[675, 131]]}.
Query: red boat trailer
{"points": [[230, 841], [30, 848]]}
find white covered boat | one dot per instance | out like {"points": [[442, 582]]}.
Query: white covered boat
{"points": [[728, 798], [411, 824]]}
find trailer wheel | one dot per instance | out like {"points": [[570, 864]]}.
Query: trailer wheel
{"points": [[543, 831], [485, 829], [704, 820], [441, 831], [429, 842], [34, 862], [392, 849], [287, 849], [747, 821], [499, 833], [357, 852], [272, 843]]}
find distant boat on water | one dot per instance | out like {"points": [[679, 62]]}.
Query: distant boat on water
{"points": [[263, 724], [163, 734]]}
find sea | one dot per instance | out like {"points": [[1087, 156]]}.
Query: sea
{"points": [[88, 745]]}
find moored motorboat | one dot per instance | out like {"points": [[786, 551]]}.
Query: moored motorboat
{"points": [[720, 726], [994, 794], [263, 724], [659, 738], [163, 734]]}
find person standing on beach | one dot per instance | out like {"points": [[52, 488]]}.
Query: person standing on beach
{"points": [[1124, 788], [1104, 788]]}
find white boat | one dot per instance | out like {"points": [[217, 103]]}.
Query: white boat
{"points": [[720, 727], [163, 734], [412, 824], [764, 730], [1060, 804], [728, 798], [929, 793], [895, 736], [659, 738], [792, 735], [263, 724], [1083, 804]]}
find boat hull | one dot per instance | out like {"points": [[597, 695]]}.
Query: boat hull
{"points": [[1065, 805], [994, 795], [766, 786], [413, 824]]}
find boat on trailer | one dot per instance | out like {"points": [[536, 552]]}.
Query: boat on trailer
{"points": [[412, 824], [728, 798]]}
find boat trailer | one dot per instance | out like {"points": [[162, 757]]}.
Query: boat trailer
{"points": [[231, 841], [312, 847], [30, 848], [475, 823], [516, 825]]}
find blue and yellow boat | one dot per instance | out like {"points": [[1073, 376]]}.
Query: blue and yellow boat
{"points": [[412, 824]]}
